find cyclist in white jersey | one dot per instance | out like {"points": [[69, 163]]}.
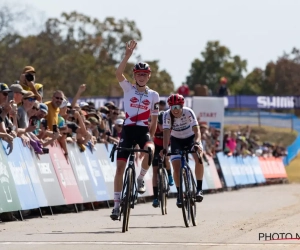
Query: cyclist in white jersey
{"points": [[139, 103], [181, 127]]}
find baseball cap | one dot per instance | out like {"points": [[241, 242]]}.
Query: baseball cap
{"points": [[44, 108], [28, 69], [29, 94], [4, 87], [93, 120], [17, 88], [119, 121], [109, 104], [83, 104], [93, 114], [65, 103]]}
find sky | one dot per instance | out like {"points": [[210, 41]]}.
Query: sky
{"points": [[175, 32]]}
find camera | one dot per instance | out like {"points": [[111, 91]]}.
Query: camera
{"points": [[29, 77], [44, 123], [45, 150], [54, 128], [33, 121], [70, 111]]}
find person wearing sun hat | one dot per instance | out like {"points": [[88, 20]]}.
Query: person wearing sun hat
{"points": [[18, 92], [28, 101], [27, 81]]}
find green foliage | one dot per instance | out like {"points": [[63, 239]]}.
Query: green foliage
{"points": [[215, 63], [72, 50]]}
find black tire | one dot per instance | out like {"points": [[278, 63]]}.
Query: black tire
{"points": [[127, 200], [162, 190], [185, 197], [193, 200]]}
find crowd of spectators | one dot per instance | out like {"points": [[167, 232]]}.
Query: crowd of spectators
{"points": [[24, 113], [239, 142]]}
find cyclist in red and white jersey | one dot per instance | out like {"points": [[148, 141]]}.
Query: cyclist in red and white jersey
{"points": [[181, 128], [140, 102]]}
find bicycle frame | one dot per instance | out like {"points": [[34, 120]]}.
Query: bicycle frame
{"points": [[131, 165]]}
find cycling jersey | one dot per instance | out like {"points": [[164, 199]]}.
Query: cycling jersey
{"points": [[139, 106], [182, 126], [158, 136]]}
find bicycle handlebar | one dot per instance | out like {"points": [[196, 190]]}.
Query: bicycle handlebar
{"points": [[131, 150], [185, 153]]}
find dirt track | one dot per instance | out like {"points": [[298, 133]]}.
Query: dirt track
{"points": [[227, 220]]}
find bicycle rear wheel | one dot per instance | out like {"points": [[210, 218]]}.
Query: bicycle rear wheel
{"points": [[185, 197], [127, 199], [162, 190], [193, 199]]}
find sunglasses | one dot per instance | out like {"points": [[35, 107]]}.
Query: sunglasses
{"points": [[115, 113], [176, 107], [34, 108], [141, 74], [59, 98], [5, 93], [30, 99], [119, 126]]}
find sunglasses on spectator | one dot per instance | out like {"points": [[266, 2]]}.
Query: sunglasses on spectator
{"points": [[5, 93], [176, 107], [115, 113], [59, 98], [35, 108], [30, 99], [119, 126]]}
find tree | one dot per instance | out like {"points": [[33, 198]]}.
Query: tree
{"points": [[72, 50], [215, 63]]}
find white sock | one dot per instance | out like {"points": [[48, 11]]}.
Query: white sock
{"points": [[142, 174], [117, 199]]}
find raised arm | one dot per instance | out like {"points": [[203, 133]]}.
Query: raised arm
{"points": [[129, 50]]}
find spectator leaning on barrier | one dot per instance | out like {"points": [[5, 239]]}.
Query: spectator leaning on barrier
{"points": [[6, 127], [18, 93], [53, 108]]}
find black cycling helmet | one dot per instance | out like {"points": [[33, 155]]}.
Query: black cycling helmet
{"points": [[142, 67]]}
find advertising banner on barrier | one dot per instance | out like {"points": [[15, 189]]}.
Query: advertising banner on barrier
{"points": [[98, 176], [214, 173], [65, 175], [35, 180], [22, 180], [226, 169], [93, 173], [210, 110], [208, 176], [272, 167], [9, 200], [108, 168], [48, 179], [258, 174], [83, 179]]}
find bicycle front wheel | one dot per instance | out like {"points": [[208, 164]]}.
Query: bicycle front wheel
{"points": [[127, 199], [185, 196], [193, 199], [162, 191]]}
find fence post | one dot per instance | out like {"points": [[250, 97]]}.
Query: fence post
{"points": [[259, 122]]}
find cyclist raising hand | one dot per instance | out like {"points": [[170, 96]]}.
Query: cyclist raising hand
{"points": [[181, 125], [139, 103]]}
